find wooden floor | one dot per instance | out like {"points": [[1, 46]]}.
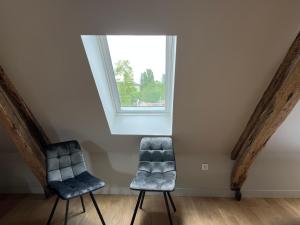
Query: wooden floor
{"points": [[117, 210]]}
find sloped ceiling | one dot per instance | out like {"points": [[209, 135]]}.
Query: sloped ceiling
{"points": [[227, 53]]}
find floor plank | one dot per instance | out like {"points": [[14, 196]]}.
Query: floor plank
{"points": [[117, 210]]}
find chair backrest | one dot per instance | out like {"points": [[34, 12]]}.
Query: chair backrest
{"points": [[64, 161], [157, 155]]}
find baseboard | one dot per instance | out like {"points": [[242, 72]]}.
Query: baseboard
{"points": [[178, 192], [210, 192], [196, 192], [271, 193], [21, 190], [246, 193]]}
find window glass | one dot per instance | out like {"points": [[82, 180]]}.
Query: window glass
{"points": [[139, 64]]}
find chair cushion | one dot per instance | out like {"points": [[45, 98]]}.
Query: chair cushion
{"points": [[64, 161], [154, 181], [76, 186], [157, 167]]}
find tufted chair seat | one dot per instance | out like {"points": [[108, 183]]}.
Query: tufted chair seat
{"points": [[156, 170], [154, 181], [67, 173], [68, 177], [74, 187]]}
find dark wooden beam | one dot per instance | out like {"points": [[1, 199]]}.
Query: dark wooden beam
{"points": [[33, 125], [23, 129], [281, 74], [20, 134], [277, 102]]}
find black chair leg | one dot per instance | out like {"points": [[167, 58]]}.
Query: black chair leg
{"points": [[66, 215], [52, 211], [171, 200], [136, 207], [143, 196], [168, 209], [82, 203], [97, 208]]}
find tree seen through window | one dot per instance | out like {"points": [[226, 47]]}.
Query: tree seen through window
{"points": [[149, 92]]}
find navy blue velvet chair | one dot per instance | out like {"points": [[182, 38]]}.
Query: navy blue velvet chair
{"points": [[156, 171], [68, 177]]}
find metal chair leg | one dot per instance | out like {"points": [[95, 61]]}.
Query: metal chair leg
{"points": [[66, 214], [171, 200], [143, 196], [52, 211], [97, 208], [168, 209], [82, 203], [136, 208]]}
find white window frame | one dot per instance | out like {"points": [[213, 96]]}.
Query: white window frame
{"points": [[169, 82]]}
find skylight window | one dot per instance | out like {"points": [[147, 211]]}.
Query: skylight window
{"points": [[134, 75]]}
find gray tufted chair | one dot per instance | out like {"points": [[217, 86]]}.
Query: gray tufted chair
{"points": [[68, 177], [156, 171]]}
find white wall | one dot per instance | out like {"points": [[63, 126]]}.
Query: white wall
{"points": [[228, 51]]}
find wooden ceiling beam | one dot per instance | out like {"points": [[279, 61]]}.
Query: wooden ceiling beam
{"points": [[277, 102], [23, 129], [280, 76], [32, 123]]}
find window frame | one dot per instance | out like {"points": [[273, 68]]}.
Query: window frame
{"points": [[169, 82]]}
